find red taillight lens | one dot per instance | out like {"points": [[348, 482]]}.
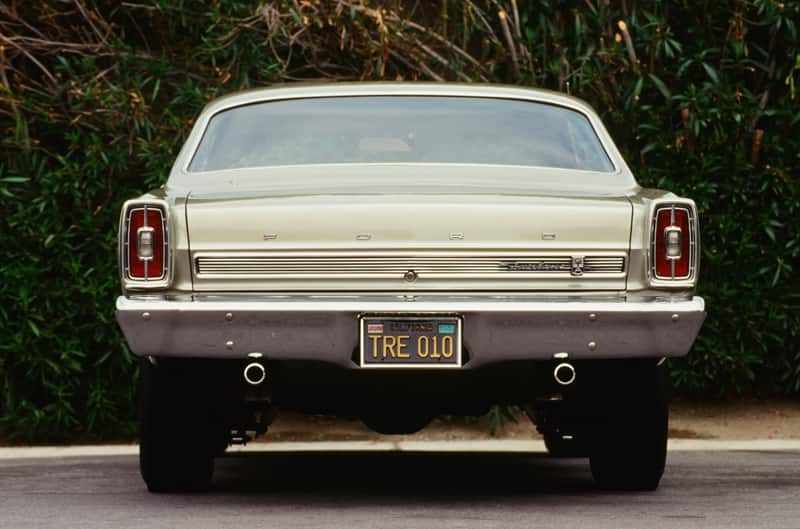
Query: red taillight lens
{"points": [[146, 244], [673, 237]]}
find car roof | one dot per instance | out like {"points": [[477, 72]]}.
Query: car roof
{"points": [[394, 88]]}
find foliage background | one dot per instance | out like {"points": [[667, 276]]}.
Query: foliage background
{"points": [[96, 97]]}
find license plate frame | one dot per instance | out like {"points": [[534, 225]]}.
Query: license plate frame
{"points": [[416, 361]]}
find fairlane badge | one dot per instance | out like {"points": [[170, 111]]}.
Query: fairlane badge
{"points": [[575, 267], [535, 266]]}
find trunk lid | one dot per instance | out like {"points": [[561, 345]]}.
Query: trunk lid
{"points": [[358, 238]]}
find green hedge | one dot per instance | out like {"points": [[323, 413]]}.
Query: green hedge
{"points": [[97, 96]]}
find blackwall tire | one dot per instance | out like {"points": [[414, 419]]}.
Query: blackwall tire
{"points": [[178, 437], [629, 446]]}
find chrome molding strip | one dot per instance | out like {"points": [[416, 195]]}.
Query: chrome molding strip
{"points": [[407, 304], [375, 265]]}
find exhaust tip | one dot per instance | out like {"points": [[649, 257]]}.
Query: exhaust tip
{"points": [[564, 374], [255, 374]]}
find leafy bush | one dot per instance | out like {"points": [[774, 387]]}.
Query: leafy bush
{"points": [[97, 96]]}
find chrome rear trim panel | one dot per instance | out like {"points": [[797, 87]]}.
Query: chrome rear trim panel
{"points": [[387, 265]]}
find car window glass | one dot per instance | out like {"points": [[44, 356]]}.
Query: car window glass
{"points": [[400, 129]]}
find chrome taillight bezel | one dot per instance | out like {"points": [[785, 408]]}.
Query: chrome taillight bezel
{"points": [[144, 283], [690, 279]]}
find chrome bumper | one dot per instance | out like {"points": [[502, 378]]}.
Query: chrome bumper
{"points": [[326, 328]]}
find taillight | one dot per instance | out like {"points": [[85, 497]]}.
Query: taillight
{"points": [[673, 243], [145, 245]]}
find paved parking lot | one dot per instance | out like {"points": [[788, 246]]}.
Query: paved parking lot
{"points": [[404, 489]]}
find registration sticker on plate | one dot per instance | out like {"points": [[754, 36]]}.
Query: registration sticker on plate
{"points": [[410, 341]]}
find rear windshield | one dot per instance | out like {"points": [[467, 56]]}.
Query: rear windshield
{"points": [[400, 129]]}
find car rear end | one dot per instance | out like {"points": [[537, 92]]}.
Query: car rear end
{"points": [[401, 288]]}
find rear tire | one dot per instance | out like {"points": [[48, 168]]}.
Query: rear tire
{"points": [[629, 447], [180, 431]]}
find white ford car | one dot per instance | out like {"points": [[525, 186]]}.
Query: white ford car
{"points": [[393, 252]]}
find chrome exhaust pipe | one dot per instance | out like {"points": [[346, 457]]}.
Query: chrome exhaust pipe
{"points": [[254, 373], [564, 374]]}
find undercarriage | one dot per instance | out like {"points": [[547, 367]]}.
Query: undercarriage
{"points": [[602, 409]]}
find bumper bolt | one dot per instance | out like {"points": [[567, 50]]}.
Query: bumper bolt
{"points": [[592, 346]]}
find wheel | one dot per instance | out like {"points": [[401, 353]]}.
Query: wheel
{"points": [[629, 445], [393, 422], [558, 446], [180, 432]]}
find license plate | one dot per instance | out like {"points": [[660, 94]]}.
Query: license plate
{"points": [[411, 341]]}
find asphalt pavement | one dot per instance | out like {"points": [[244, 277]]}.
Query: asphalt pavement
{"points": [[388, 489]]}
